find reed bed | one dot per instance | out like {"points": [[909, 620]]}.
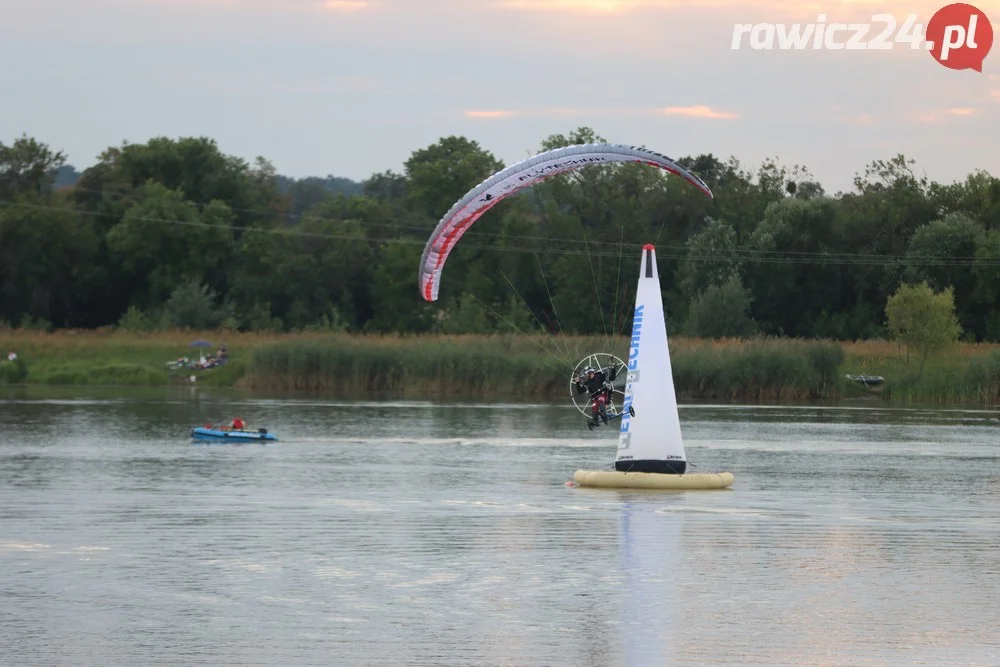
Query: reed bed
{"points": [[500, 365], [482, 366], [945, 379], [759, 370], [530, 367]]}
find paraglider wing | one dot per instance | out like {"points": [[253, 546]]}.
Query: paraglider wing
{"points": [[516, 177]]}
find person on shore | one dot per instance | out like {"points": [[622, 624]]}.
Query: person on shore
{"points": [[11, 356], [593, 380]]}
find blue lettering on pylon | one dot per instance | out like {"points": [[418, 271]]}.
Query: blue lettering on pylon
{"points": [[633, 376]]}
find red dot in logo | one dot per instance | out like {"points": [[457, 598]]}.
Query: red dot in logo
{"points": [[961, 36]]}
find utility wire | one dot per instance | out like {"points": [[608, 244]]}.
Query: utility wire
{"points": [[556, 246]]}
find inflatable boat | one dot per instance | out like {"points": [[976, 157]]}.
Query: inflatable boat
{"points": [[205, 434]]}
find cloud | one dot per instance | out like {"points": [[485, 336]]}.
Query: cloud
{"points": [[490, 114], [570, 5], [698, 111], [347, 6], [277, 6], [860, 119], [935, 116], [524, 113], [834, 9], [330, 85]]}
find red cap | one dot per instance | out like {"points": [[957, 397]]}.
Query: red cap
{"points": [[648, 246]]}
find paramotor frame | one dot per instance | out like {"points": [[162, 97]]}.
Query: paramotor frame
{"points": [[615, 372]]}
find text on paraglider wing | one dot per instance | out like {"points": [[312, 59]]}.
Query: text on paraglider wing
{"points": [[563, 166]]}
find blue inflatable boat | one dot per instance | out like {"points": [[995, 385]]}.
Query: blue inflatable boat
{"points": [[220, 435]]}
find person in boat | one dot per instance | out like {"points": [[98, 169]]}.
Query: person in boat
{"points": [[238, 424], [594, 380]]}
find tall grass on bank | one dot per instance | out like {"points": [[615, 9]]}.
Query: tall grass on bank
{"points": [[500, 365], [947, 380], [508, 365], [759, 370]]}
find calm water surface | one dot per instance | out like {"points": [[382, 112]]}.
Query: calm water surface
{"points": [[393, 533]]}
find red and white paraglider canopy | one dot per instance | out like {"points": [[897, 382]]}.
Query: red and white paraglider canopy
{"points": [[524, 174]]}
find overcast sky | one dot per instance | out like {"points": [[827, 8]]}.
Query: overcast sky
{"points": [[349, 87]]}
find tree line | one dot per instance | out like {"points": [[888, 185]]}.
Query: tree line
{"points": [[175, 233]]}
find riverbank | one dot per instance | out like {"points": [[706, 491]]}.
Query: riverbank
{"points": [[532, 368]]}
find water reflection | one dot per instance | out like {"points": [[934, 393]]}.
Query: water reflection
{"points": [[652, 594]]}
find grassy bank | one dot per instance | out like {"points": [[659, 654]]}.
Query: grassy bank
{"points": [[501, 366]]}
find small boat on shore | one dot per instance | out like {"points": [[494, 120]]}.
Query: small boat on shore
{"points": [[221, 435], [867, 380]]}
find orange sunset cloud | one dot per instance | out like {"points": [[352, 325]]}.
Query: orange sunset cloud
{"points": [[698, 111], [507, 113], [282, 6], [935, 116], [346, 6], [781, 8]]}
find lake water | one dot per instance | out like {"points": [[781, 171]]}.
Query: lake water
{"points": [[395, 533]]}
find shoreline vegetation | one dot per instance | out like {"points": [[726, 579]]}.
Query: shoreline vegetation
{"points": [[535, 368]]}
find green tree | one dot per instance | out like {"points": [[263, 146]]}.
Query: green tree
{"points": [[47, 265], [790, 281], [304, 274], [396, 304], [49, 259], [28, 168], [466, 315], [712, 258], [193, 305], [978, 196], [438, 176], [163, 241], [721, 311], [987, 275], [115, 243], [386, 186], [942, 253], [193, 166], [922, 319]]}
